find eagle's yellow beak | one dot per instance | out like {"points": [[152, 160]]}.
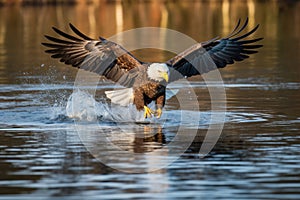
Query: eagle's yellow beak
{"points": [[165, 76]]}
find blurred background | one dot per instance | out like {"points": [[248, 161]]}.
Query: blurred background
{"points": [[23, 24]]}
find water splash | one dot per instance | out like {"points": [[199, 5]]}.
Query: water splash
{"points": [[83, 106]]}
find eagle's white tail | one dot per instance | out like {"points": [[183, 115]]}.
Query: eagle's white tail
{"points": [[122, 97]]}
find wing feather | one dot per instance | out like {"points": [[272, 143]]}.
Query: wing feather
{"points": [[215, 53], [99, 56], [66, 35], [236, 31], [77, 32]]}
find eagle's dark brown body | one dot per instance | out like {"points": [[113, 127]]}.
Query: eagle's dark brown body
{"points": [[151, 91]]}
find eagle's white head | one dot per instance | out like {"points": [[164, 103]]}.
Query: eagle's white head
{"points": [[158, 72]]}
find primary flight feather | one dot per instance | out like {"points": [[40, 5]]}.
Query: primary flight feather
{"points": [[146, 82]]}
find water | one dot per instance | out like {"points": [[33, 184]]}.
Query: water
{"points": [[44, 154]]}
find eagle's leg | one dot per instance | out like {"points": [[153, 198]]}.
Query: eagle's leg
{"points": [[148, 112], [158, 113], [160, 102]]}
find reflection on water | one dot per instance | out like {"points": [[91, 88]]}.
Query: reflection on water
{"points": [[45, 154]]}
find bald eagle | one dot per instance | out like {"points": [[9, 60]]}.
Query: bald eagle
{"points": [[146, 82]]}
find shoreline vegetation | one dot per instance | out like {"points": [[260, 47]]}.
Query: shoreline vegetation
{"points": [[74, 2], [48, 2]]}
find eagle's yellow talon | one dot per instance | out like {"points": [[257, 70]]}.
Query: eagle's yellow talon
{"points": [[158, 113], [148, 112]]}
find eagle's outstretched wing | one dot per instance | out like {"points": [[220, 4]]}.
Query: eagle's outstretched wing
{"points": [[101, 56], [216, 53]]}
